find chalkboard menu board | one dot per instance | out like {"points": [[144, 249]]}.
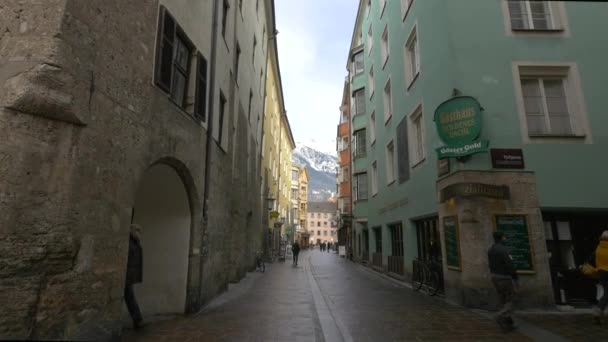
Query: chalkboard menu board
{"points": [[515, 229], [452, 242]]}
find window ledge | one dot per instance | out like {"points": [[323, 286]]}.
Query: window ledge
{"points": [[371, 95], [374, 195], [385, 62], [372, 143], [363, 155], [559, 30], [407, 11], [390, 183], [411, 83], [387, 120], [361, 200], [557, 136], [416, 164]]}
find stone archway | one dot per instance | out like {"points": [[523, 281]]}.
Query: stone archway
{"points": [[162, 208]]}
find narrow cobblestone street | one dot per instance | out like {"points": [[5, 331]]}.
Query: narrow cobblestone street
{"points": [[328, 298]]}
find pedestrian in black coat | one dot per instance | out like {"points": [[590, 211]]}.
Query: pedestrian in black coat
{"points": [[135, 266], [295, 249], [504, 277]]}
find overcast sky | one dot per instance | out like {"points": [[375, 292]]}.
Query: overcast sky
{"points": [[314, 38]]}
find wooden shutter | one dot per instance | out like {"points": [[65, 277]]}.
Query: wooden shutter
{"points": [[403, 153], [201, 88], [166, 42], [517, 13]]}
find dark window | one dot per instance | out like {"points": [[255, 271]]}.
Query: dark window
{"points": [[427, 234], [378, 239], [249, 109], [173, 59], [358, 63], [225, 9], [241, 6], [221, 118], [257, 5], [360, 186], [403, 156], [201, 88], [359, 140], [318, 224], [396, 239], [359, 102], [236, 63], [164, 62], [255, 45]]}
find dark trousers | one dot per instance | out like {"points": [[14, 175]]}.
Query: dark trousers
{"points": [[132, 304], [603, 302], [295, 258], [505, 289]]}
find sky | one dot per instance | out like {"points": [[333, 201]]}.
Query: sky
{"points": [[313, 41]]}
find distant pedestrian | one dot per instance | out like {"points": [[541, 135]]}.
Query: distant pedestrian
{"points": [[599, 259], [328, 247], [134, 274], [322, 246], [295, 249], [504, 278]]}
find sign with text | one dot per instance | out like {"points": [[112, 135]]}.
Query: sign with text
{"points": [[443, 167], [452, 242], [458, 123], [507, 158], [474, 190], [515, 228]]}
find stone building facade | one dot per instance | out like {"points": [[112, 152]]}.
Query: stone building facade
{"points": [[322, 222], [105, 108]]}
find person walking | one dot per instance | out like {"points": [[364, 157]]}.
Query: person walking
{"points": [[328, 247], [599, 259], [134, 274], [504, 278], [295, 249]]}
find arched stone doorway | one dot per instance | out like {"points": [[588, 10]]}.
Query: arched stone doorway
{"points": [[162, 209]]}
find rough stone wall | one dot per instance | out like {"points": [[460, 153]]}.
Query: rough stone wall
{"points": [[81, 122]]}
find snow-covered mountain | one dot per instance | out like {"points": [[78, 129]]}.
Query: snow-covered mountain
{"points": [[322, 168]]}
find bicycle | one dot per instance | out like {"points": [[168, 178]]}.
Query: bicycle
{"points": [[425, 277], [259, 262]]}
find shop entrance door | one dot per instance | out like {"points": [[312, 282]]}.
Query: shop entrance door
{"points": [[429, 245]]}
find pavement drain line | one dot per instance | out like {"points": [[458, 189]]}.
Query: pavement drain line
{"points": [[333, 328]]}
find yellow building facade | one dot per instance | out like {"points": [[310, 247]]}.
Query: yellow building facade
{"points": [[277, 146]]}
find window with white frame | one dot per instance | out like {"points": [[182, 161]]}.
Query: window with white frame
{"points": [[384, 46], [370, 40], [344, 174], [388, 101], [359, 102], [358, 63], [359, 142], [372, 127], [412, 58], [390, 162], [533, 15], [417, 136], [382, 5], [343, 144], [360, 186], [370, 81], [368, 7], [374, 178], [546, 105]]}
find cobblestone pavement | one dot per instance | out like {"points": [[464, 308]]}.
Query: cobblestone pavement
{"points": [[328, 298]]}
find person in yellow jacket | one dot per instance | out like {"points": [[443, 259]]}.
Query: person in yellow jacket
{"points": [[600, 260]]}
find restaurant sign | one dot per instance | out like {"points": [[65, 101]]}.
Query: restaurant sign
{"points": [[458, 123]]}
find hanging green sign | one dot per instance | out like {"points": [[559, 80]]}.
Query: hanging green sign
{"points": [[458, 123]]}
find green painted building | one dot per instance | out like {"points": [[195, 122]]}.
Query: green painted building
{"points": [[537, 70]]}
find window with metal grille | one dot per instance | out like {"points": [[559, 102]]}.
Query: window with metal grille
{"points": [[359, 102], [396, 239], [200, 107], [378, 239], [360, 186], [358, 63]]}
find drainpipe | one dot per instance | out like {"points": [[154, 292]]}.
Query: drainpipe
{"points": [[212, 62]]}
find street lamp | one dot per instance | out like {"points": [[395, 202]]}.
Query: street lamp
{"points": [[270, 201]]}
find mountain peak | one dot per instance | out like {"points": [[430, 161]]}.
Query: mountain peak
{"points": [[322, 168]]}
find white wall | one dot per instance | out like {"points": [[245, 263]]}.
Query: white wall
{"points": [[162, 209]]}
